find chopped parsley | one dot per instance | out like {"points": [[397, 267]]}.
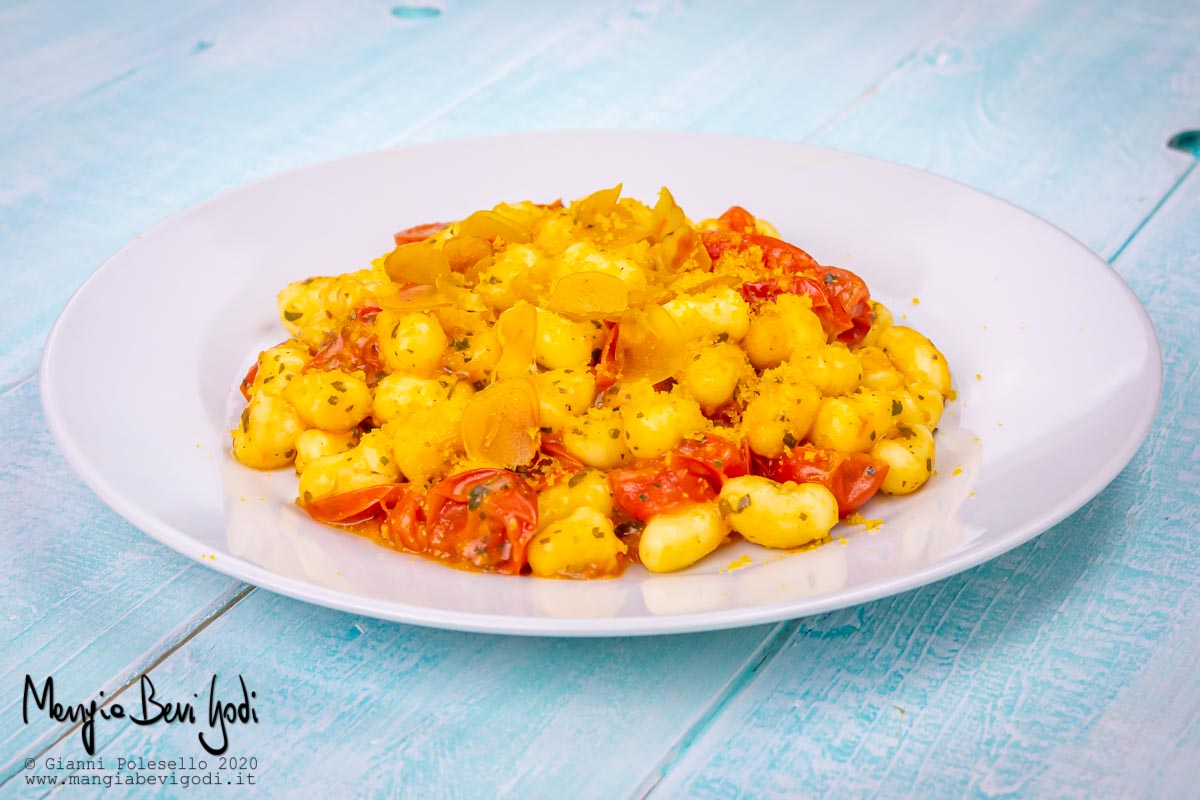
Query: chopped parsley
{"points": [[475, 497]]}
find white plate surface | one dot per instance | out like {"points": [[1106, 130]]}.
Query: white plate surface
{"points": [[139, 370]]}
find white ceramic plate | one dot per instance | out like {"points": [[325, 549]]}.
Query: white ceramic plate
{"points": [[1057, 367]]}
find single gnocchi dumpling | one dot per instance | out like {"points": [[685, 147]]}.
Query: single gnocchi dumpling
{"points": [[781, 413], [581, 545], [909, 452], [398, 395], [673, 541], [780, 328], [266, 435], [717, 312], [369, 463], [598, 439], [564, 394], [564, 344], [411, 343], [778, 515], [586, 488], [277, 366], [713, 372], [916, 357], [314, 444], [329, 399], [655, 422]]}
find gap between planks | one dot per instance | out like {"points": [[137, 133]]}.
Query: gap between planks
{"points": [[766, 651], [189, 629]]}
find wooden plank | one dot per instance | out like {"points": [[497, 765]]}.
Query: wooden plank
{"points": [[779, 71], [87, 598], [277, 85], [400, 711], [1061, 107], [87, 46]]}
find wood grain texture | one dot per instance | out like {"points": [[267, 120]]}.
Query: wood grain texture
{"points": [[1062, 107], [401, 711], [1064, 668], [236, 94], [87, 598]]}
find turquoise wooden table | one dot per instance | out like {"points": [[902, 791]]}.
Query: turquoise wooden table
{"points": [[1069, 667]]}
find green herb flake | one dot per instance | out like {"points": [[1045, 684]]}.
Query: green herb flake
{"points": [[577, 479], [789, 440], [614, 433], [332, 400], [339, 385], [475, 497], [384, 460], [897, 407], [743, 503], [292, 316]]}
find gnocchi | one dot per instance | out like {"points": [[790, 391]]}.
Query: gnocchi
{"points": [[560, 390]]}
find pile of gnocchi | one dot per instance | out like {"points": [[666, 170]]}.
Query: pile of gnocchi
{"points": [[559, 390]]}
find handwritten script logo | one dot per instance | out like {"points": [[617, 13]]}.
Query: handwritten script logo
{"points": [[150, 711]]}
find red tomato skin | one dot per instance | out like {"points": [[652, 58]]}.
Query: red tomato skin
{"points": [[484, 518], [248, 381], [354, 507], [852, 478], [658, 486], [694, 472], [609, 365], [418, 233]]}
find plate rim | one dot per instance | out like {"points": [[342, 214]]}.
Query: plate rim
{"points": [[424, 616]]}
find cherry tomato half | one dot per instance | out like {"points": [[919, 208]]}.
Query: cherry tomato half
{"points": [[484, 517], [852, 478], [418, 233]]}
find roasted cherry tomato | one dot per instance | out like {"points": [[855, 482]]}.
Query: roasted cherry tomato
{"points": [[354, 348], [608, 366], [852, 478], [484, 517], [693, 472], [360, 505], [720, 457], [404, 525], [248, 381], [418, 233], [659, 486], [736, 219]]}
